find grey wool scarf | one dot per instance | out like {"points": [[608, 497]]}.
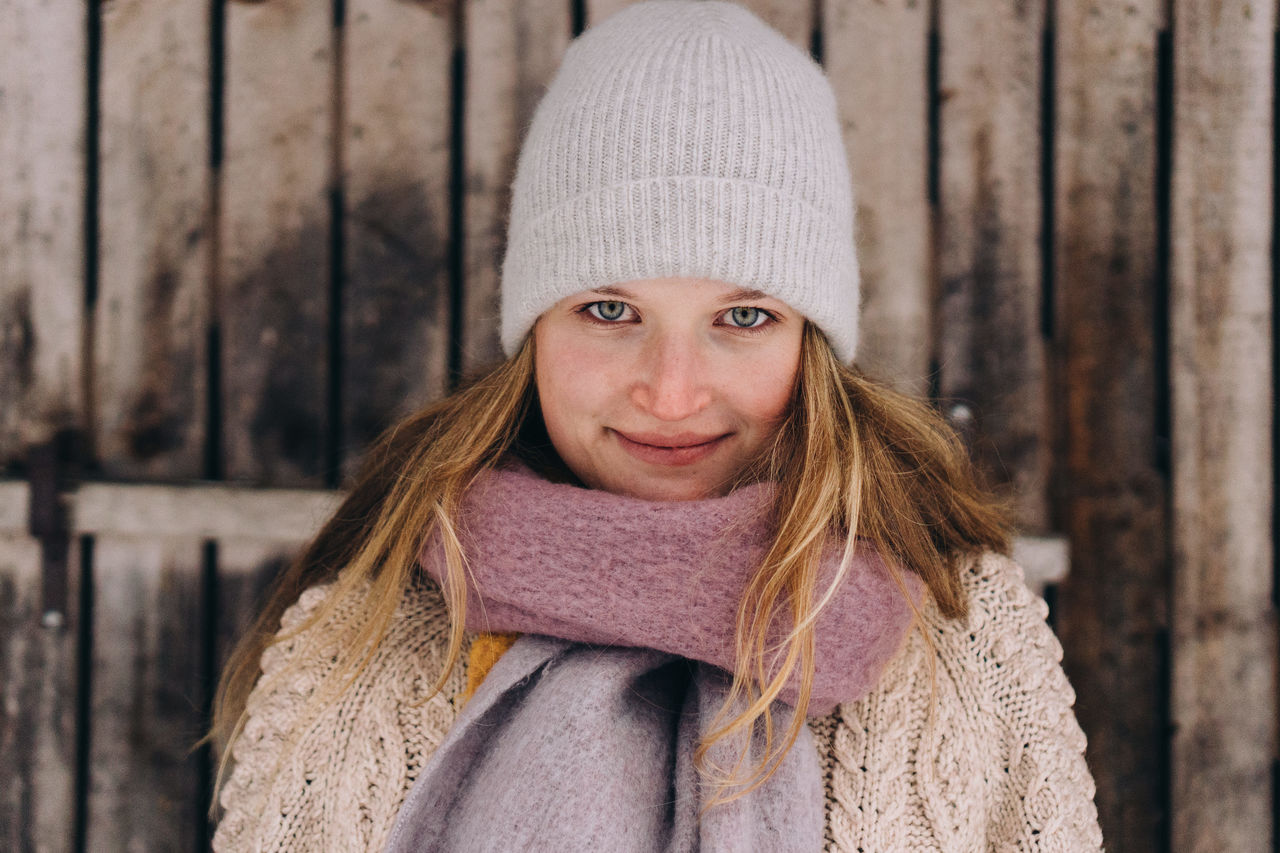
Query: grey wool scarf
{"points": [[581, 737], [570, 747]]}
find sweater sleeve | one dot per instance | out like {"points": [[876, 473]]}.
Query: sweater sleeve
{"points": [[1046, 797], [331, 776]]}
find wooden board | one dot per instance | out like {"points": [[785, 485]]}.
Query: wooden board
{"points": [[1112, 611], [38, 678], [15, 499], [876, 56], [147, 695], [150, 358], [793, 20], [512, 50], [246, 568], [43, 51], [397, 119], [992, 371], [275, 241], [204, 511], [1223, 703]]}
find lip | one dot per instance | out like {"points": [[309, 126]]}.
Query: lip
{"points": [[671, 450]]}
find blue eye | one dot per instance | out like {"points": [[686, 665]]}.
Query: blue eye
{"points": [[746, 318], [610, 311]]}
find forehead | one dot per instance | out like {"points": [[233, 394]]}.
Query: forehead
{"points": [[743, 294]]}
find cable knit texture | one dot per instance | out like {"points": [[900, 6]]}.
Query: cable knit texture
{"points": [[1000, 766]]}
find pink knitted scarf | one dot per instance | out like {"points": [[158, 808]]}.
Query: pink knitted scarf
{"points": [[594, 567]]}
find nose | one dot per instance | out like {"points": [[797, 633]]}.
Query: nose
{"points": [[671, 382]]}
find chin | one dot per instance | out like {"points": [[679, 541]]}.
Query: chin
{"points": [[657, 489]]}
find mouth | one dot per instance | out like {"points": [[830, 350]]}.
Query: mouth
{"points": [[670, 450]]}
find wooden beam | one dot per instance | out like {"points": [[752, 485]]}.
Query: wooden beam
{"points": [[1112, 611], [206, 511], [992, 359], [38, 682], [1223, 705], [152, 312], [43, 130], [794, 20], [876, 55], [226, 512], [147, 697], [512, 49], [1044, 560], [397, 73], [275, 241]]}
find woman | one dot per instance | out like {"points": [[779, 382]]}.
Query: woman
{"points": [[674, 575]]}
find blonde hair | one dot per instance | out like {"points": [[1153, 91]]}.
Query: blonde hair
{"points": [[851, 458]]}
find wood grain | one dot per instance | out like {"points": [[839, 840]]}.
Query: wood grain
{"points": [[147, 698], [275, 241], [876, 57], [206, 511], [150, 358], [42, 192], [512, 50], [1112, 609], [397, 121], [38, 679], [1223, 703], [794, 20], [992, 368]]}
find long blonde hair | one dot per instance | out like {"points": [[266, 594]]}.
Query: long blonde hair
{"points": [[851, 459]]}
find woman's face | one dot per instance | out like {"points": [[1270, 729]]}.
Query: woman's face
{"points": [[664, 389]]}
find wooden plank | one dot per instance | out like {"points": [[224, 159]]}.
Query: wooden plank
{"points": [[1044, 560], [15, 497], [397, 113], [1112, 622], [42, 192], [275, 241], [992, 367], [150, 357], [38, 678], [246, 568], [793, 20], [512, 50], [229, 513], [205, 511], [885, 121], [147, 695], [1223, 704]]}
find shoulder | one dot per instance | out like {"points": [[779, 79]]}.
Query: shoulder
{"points": [[310, 774], [983, 710], [1011, 702]]}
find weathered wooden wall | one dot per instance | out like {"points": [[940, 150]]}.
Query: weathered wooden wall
{"points": [[237, 239]]}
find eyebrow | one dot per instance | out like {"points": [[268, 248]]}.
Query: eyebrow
{"points": [[742, 294]]}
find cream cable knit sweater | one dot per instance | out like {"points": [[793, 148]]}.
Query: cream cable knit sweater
{"points": [[1001, 768]]}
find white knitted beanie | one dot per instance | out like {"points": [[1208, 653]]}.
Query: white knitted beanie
{"points": [[684, 138]]}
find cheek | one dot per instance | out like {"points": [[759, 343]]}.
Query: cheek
{"points": [[764, 395], [572, 384]]}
